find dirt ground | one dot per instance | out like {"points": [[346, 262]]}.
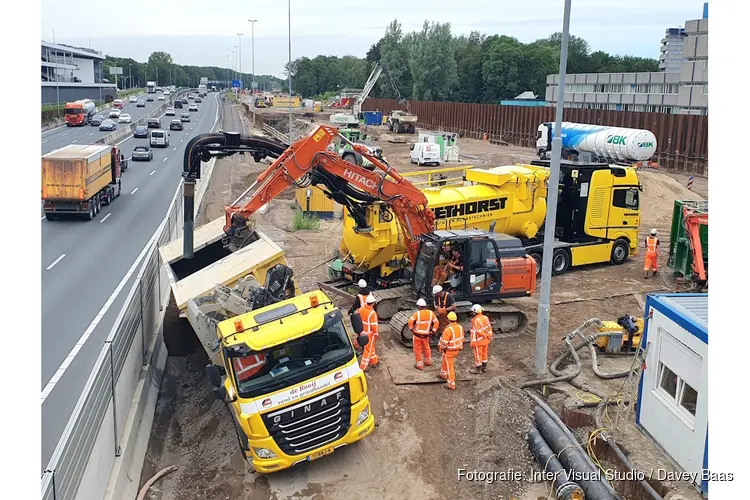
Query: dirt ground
{"points": [[425, 434]]}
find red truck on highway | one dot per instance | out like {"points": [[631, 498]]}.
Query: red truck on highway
{"points": [[79, 112]]}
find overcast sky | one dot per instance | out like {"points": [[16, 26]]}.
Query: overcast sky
{"points": [[204, 33]]}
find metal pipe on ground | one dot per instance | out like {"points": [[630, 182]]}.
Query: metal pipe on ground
{"points": [[565, 488], [572, 457]]}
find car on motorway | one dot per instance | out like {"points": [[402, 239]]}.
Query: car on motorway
{"points": [[185, 117], [115, 113], [191, 96], [132, 99], [193, 107], [141, 132], [184, 101], [142, 153], [169, 112], [108, 125], [160, 98], [154, 123], [175, 125], [97, 120], [167, 92], [159, 138], [117, 103], [178, 104], [125, 118], [141, 104], [198, 99], [150, 99]]}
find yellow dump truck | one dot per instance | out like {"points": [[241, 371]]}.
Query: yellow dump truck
{"points": [[289, 375]]}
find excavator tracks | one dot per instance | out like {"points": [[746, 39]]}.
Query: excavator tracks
{"points": [[390, 300], [507, 321]]}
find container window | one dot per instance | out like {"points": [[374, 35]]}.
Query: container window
{"points": [[668, 380], [688, 397]]}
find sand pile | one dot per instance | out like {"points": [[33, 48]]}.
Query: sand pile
{"points": [[657, 200]]}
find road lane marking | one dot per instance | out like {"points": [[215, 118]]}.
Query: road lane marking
{"points": [[63, 135], [74, 141], [46, 141], [133, 191], [152, 172], [181, 140], [44, 217], [105, 218], [164, 159], [174, 148], [91, 133], [56, 261]]}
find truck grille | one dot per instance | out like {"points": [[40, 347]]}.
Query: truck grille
{"points": [[311, 423]]}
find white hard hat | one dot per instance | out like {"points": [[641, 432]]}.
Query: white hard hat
{"points": [[653, 231], [370, 299], [437, 289], [362, 284], [421, 303], [476, 309]]}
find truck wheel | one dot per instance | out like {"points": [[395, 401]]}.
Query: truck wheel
{"points": [[51, 216], [119, 189], [560, 261], [90, 215], [620, 252], [538, 258], [97, 205]]}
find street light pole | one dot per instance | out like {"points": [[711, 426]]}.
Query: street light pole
{"points": [[252, 62], [227, 67], [542, 326], [239, 35], [289, 69]]}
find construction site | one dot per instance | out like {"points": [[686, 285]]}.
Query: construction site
{"points": [[479, 441]]}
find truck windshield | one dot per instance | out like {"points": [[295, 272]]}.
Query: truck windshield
{"points": [[74, 111], [288, 364]]}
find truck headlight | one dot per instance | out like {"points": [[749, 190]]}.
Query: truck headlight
{"points": [[363, 415], [264, 453]]}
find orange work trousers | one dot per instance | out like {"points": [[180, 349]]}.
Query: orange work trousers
{"points": [[369, 356], [422, 351], [649, 263], [481, 353], [447, 369]]}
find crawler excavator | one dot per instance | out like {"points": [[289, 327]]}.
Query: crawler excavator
{"points": [[495, 265]]}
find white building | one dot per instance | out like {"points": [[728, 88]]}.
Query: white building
{"points": [[71, 73], [673, 392]]}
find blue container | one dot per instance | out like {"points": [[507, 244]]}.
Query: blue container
{"points": [[373, 117]]}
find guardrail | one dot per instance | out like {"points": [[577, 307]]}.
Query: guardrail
{"points": [[100, 436]]}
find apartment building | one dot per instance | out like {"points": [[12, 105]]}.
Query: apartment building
{"points": [[672, 47]]}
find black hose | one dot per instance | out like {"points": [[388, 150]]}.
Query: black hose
{"points": [[565, 487], [600, 374]]}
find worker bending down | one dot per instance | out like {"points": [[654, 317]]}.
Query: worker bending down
{"points": [[652, 254], [422, 324], [481, 336], [451, 342], [369, 329], [359, 300]]}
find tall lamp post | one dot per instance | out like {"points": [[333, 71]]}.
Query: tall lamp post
{"points": [[228, 85], [542, 326], [252, 62], [239, 35], [57, 79], [289, 9]]}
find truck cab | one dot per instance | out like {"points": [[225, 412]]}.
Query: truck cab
{"points": [[291, 380]]}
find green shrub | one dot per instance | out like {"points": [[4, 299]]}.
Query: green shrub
{"points": [[305, 222]]}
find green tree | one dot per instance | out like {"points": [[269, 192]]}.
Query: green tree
{"points": [[468, 55], [432, 63]]}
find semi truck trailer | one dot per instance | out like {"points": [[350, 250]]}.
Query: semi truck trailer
{"points": [[151, 87], [79, 113], [78, 179], [624, 146]]}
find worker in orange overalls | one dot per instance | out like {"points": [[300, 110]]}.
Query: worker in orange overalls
{"points": [[370, 329], [451, 342], [481, 336], [422, 324], [444, 303], [359, 300], [652, 254]]}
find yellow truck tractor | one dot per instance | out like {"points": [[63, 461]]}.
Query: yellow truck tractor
{"points": [[289, 376]]}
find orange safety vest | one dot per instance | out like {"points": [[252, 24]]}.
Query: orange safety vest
{"points": [[453, 337], [422, 322], [369, 320], [248, 366], [362, 299], [481, 330], [651, 243]]}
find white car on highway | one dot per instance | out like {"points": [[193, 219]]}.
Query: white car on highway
{"points": [[125, 118], [160, 98], [115, 113], [132, 98], [169, 112]]}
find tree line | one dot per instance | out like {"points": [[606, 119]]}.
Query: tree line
{"points": [[160, 68], [434, 65]]}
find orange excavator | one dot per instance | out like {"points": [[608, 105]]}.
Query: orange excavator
{"points": [[493, 266], [692, 222]]}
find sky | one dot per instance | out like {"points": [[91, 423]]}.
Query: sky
{"points": [[194, 33]]}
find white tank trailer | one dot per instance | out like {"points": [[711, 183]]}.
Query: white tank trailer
{"points": [[610, 144]]}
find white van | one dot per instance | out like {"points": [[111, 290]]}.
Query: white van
{"points": [[425, 153], [158, 138]]}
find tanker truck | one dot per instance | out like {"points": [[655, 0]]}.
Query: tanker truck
{"points": [[79, 112], [623, 146], [598, 216]]}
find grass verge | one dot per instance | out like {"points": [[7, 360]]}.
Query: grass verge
{"points": [[305, 222]]}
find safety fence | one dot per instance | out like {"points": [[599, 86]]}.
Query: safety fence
{"points": [[682, 140], [81, 464]]}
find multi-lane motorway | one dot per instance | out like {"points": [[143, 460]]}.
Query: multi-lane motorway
{"points": [[85, 263]]}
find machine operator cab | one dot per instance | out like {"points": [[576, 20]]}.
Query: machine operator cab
{"points": [[470, 264]]}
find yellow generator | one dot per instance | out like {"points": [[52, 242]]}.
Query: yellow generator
{"points": [[624, 334]]}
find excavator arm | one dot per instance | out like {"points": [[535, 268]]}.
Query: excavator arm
{"points": [[693, 222]]}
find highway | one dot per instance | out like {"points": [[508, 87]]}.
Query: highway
{"points": [[84, 262], [62, 136]]}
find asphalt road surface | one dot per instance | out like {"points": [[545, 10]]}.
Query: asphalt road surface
{"points": [[86, 134], [84, 261]]}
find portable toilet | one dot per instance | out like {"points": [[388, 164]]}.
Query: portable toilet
{"points": [[312, 200], [373, 117], [447, 142]]}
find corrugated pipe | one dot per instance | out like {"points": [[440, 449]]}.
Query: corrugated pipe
{"points": [[600, 374], [565, 488], [573, 458]]}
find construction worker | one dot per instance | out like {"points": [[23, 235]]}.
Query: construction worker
{"points": [[481, 336], [370, 329], [422, 324], [444, 303], [359, 300], [451, 342], [652, 254]]}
